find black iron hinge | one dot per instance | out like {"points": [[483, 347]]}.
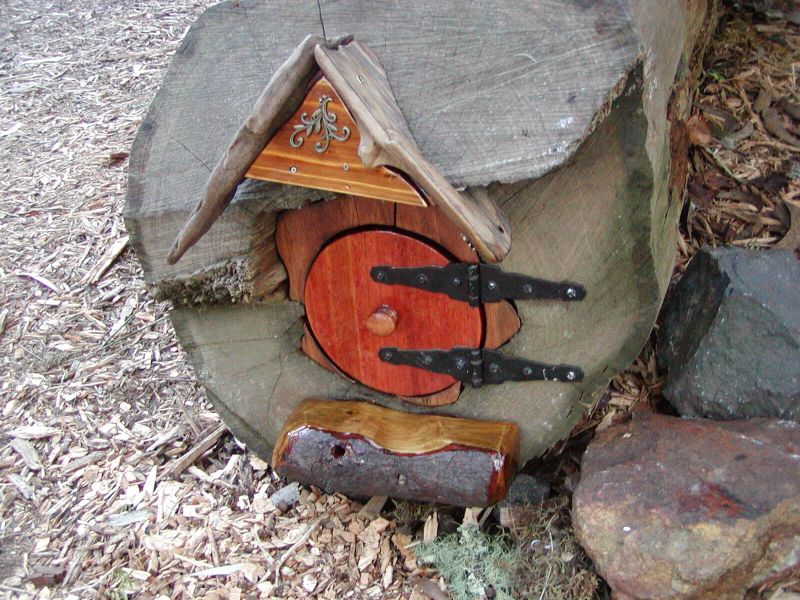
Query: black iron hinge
{"points": [[477, 283], [478, 366]]}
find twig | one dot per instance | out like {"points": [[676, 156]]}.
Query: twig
{"points": [[303, 539], [106, 260], [185, 461]]}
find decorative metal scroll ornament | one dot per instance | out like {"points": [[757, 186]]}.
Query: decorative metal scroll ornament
{"points": [[322, 123]]}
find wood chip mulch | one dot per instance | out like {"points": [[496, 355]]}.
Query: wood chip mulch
{"points": [[102, 489], [116, 476]]}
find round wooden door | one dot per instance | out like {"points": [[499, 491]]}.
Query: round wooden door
{"points": [[352, 316]]}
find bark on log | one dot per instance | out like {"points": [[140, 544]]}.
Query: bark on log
{"points": [[566, 115], [364, 450]]}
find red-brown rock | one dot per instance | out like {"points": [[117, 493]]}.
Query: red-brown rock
{"points": [[679, 508]]}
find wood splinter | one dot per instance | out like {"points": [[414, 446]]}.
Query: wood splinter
{"points": [[364, 450]]}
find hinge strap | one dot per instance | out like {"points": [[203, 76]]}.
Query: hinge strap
{"points": [[478, 366], [477, 283]]}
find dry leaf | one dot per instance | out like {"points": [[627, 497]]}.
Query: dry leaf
{"points": [[763, 101], [729, 140], [791, 240], [772, 121], [790, 108], [698, 131], [606, 421]]}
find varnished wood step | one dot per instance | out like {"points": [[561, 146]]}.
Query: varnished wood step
{"points": [[362, 450]]}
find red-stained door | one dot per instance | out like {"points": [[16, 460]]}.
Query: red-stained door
{"points": [[352, 316]]}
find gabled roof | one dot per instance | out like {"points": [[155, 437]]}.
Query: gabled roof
{"points": [[358, 77], [317, 149]]}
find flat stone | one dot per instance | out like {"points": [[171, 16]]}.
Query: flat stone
{"points": [[526, 489], [522, 501], [286, 497], [730, 340], [684, 508]]}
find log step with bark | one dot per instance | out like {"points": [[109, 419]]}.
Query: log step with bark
{"points": [[364, 450]]}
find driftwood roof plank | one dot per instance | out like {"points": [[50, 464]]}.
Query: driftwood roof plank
{"points": [[360, 80], [281, 97]]}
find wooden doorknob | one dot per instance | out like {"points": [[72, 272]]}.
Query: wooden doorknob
{"points": [[382, 321]]}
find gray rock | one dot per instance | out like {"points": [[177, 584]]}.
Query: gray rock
{"points": [[286, 497], [522, 500], [526, 490], [730, 340]]}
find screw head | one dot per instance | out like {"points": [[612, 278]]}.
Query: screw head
{"points": [[456, 282], [427, 360], [461, 364], [492, 285], [346, 166], [422, 279], [293, 169], [386, 355], [527, 371], [572, 292], [527, 288], [571, 375], [401, 480], [494, 368], [380, 275]]}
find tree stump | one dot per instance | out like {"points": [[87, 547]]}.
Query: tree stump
{"points": [[569, 119]]}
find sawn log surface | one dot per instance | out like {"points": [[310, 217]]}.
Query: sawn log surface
{"points": [[503, 95]]}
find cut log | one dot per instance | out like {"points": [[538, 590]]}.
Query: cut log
{"points": [[362, 450], [567, 116]]}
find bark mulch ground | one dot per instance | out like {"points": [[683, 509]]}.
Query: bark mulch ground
{"points": [[116, 477]]}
